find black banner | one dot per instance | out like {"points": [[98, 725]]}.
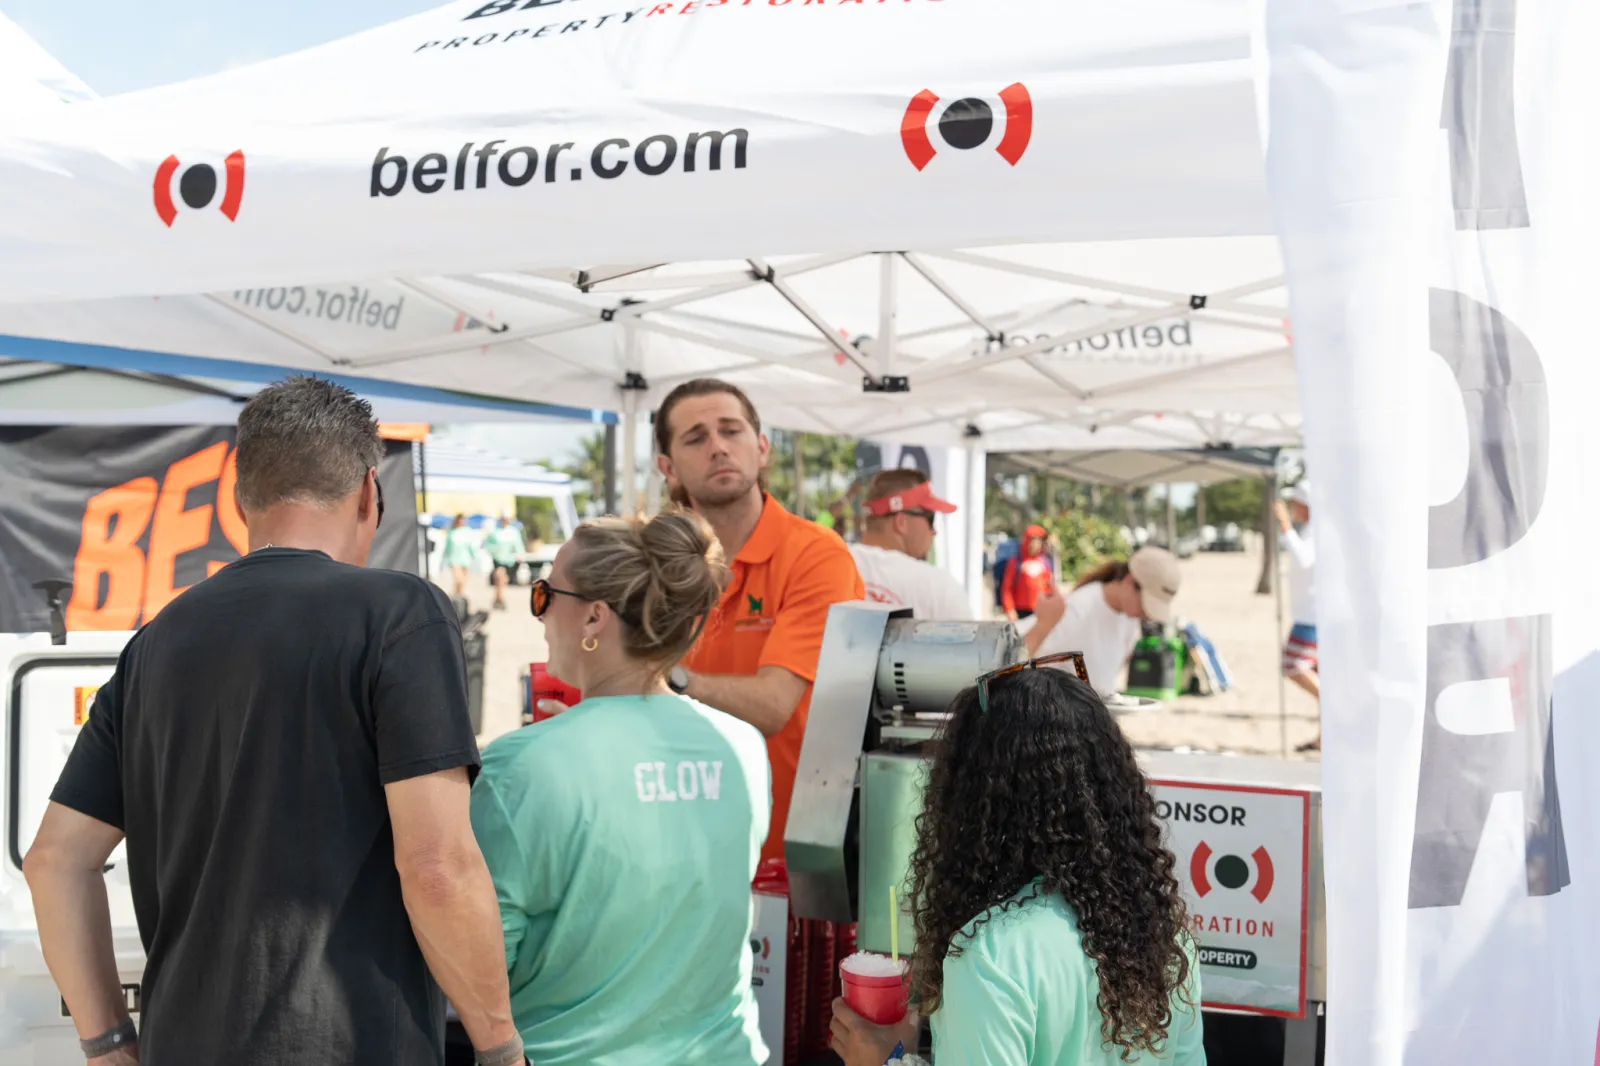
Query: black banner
{"points": [[131, 516]]}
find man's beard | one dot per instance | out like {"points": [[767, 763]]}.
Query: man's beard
{"points": [[714, 496]]}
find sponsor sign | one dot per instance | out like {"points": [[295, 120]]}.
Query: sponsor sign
{"points": [[769, 944], [1243, 861], [133, 516]]}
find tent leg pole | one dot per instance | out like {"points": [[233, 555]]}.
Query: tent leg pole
{"points": [[632, 385], [977, 481], [888, 309], [610, 461], [1283, 691], [630, 450]]}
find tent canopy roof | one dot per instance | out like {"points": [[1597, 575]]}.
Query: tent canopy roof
{"points": [[1133, 469], [1123, 140]]}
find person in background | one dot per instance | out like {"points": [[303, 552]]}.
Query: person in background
{"points": [[460, 553], [1101, 616], [1027, 576], [896, 538], [1300, 650], [757, 658], [623, 835], [834, 517], [288, 751], [505, 552], [1050, 927]]}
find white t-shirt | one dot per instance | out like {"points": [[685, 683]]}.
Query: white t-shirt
{"points": [[894, 577], [1105, 637], [1302, 574]]}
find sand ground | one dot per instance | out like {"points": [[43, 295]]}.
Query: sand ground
{"points": [[1218, 595]]}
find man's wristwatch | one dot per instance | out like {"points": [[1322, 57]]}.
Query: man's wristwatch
{"points": [[678, 680]]}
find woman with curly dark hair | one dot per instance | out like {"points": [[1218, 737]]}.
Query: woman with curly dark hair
{"points": [[1050, 930]]}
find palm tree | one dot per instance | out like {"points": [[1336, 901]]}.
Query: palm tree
{"points": [[587, 466]]}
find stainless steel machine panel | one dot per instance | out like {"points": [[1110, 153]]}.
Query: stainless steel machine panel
{"points": [[825, 781], [923, 664]]}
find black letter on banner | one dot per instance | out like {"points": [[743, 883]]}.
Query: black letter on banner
{"points": [[1461, 774], [1480, 113], [1508, 431]]}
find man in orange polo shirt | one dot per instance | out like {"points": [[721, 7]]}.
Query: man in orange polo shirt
{"points": [[757, 658]]}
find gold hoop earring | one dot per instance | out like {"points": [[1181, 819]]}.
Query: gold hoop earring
{"points": [[590, 643]]}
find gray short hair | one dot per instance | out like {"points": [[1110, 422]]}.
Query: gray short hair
{"points": [[304, 440]]}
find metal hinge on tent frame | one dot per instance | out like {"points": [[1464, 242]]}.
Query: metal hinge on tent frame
{"points": [[886, 383], [633, 381]]}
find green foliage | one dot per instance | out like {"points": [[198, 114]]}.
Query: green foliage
{"points": [[586, 465], [1083, 540], [538, 517], [827, 463], [1234, 501]]}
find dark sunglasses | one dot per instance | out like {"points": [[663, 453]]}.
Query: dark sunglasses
{"points": [[542, 594], [377, 487], [1075, 657]]}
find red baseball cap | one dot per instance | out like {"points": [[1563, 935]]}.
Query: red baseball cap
{"points": [[917, 498]]}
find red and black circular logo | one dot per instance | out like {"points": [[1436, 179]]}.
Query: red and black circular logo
{"points": [[1209, 870], [197, 187], [967, 123]]}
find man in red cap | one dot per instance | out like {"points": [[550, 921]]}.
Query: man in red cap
{"points": [[1028, 576], [896, 537]]}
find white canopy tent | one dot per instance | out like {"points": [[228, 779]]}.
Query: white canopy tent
{"points": [[451, 467], [1132, 469], [1124, 142]]}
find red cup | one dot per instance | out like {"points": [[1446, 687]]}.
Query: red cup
{"points": [[880, 1000], [545, 686]]}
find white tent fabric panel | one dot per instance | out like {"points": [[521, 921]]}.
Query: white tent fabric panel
{"points": [[1126, 135], [1150, 344], [503, 136]]}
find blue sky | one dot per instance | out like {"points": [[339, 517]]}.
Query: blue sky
{"points": [[119, 45]]}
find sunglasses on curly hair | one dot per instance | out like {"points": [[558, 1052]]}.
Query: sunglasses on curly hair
{"points": [[1074, 657]]}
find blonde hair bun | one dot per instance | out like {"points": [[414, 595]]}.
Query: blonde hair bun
{"points": [[662, 576]]}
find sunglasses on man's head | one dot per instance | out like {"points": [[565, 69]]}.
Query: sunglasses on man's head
{"points": [[1074, 657], [542, 594]]}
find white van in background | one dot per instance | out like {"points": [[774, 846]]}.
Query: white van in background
{"points": [[48, 691]]}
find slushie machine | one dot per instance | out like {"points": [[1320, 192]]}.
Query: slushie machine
{"points": [[1246, 832]]}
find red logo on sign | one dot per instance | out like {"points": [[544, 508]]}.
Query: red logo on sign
{"points": [[1230, 871], [197, 188], [967, 123]]}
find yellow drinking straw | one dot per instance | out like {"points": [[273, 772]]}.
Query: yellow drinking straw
{"points": [[894, 922]]}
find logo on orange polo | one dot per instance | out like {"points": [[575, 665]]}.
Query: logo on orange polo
{"points": [[755, 604]]}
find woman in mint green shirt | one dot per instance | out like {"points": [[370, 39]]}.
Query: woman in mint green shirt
{"points": [[1050, 930], [623, 835]]}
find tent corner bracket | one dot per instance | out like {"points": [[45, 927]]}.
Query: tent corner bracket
{"points": [[886, 383]]}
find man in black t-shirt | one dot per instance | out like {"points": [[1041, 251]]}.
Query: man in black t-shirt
{"points": [[287, 750]]}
